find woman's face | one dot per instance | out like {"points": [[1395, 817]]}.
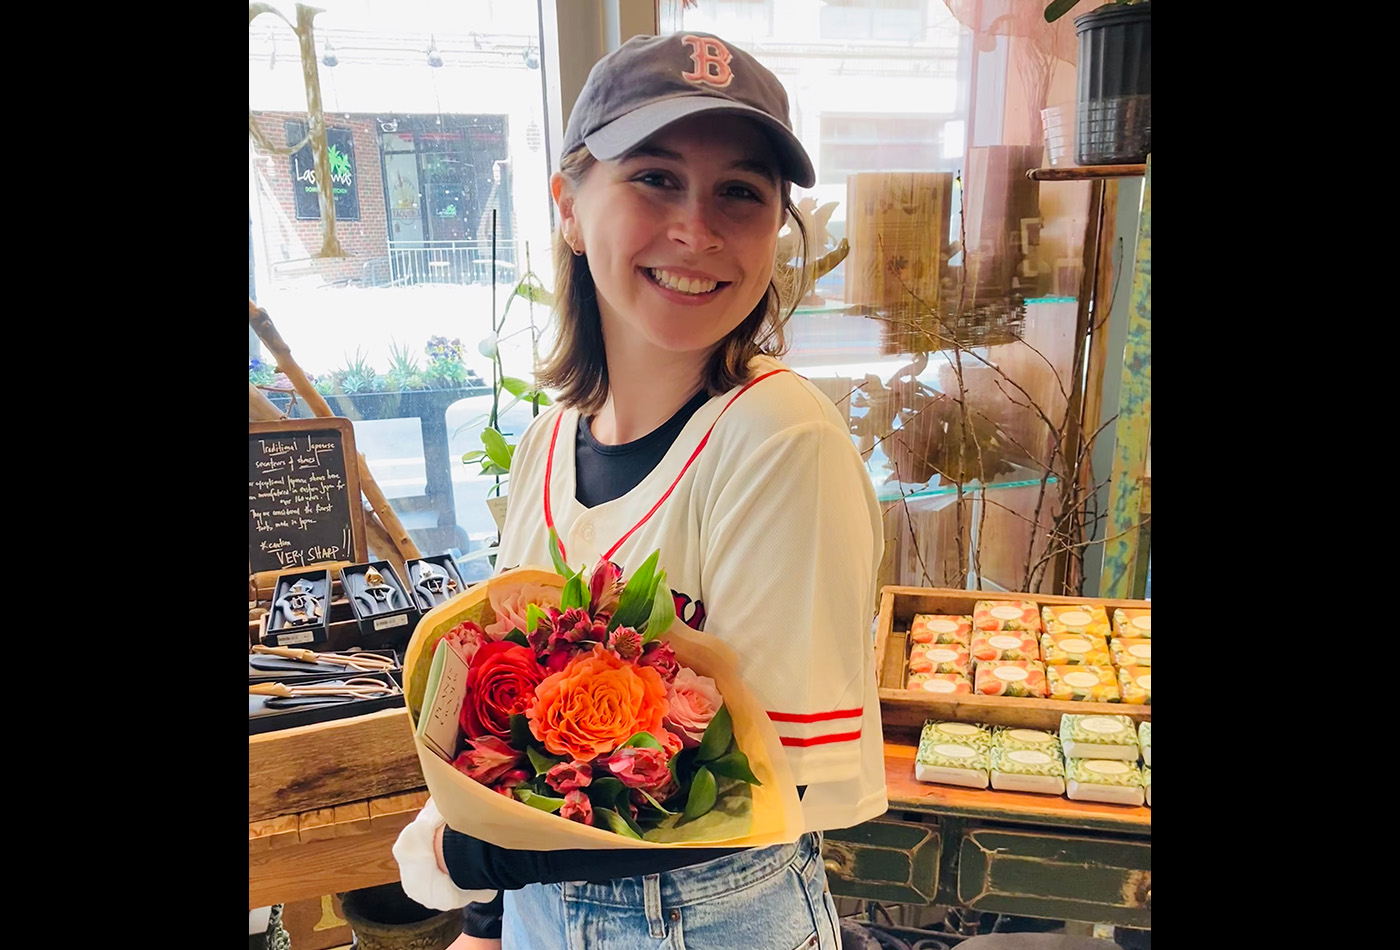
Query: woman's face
{"points": [[680, 235]]}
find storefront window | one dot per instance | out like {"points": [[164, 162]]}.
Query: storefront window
{"points": [[434, 116]]}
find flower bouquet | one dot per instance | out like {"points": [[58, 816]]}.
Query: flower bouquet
{"points": [[556, 710]]}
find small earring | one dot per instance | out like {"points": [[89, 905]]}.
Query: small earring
{"points": [[577, 252]]}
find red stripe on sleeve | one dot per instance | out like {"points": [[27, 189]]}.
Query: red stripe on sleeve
{"points": [[815, 717], [821, 740]]}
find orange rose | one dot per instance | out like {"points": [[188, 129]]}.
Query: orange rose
{"points": [[595, 703]]}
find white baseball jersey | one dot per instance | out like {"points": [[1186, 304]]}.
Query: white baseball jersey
{"points": [[771, 539]]}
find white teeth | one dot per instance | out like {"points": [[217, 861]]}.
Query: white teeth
{"points": [[685, 285]]}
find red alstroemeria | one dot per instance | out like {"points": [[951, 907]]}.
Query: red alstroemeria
{"points": [[625, 642], [506, 784], [577, 807], [489, 760], [568, 776], [604, 588], [659, 656], [638, 767]]}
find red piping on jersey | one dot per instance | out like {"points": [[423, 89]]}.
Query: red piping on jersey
{"points": [[820, 740], [815, 717], [549, 463]]}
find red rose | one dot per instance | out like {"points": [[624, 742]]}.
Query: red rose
{"points": [[501, 681]]}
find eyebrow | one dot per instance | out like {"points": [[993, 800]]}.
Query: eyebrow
{"points": [[743, 164]]}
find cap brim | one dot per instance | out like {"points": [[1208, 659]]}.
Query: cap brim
{"points": [[620, 136]]}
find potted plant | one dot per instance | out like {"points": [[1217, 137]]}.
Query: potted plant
{"points": [[1113, 96]]}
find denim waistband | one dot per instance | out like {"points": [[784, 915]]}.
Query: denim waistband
{"points": [[699, 882]]}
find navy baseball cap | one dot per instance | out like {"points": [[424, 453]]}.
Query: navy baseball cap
{"points": [[649, 82]]}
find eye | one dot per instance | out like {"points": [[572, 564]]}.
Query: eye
{"points": [[655, 179], [744, 192]]}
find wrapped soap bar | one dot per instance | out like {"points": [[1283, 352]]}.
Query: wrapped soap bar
{"points": [[1147, 784], [938, 683], [1005, 645], [1075, 618], [1135, 683], [1131, 651], [1132, 622], [941, 628], [1098, 736], [1011, 678], [953, 753], [1086, 648], [1027, 770], [964, 733], [939, 658], [1009, 737], [992, 615], [1103, 780], [1145, 740], [1092, 684]]}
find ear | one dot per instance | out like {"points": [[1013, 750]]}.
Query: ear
{"points": [[563, 193]]}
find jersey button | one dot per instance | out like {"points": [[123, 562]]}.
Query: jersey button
{"points": [[587, 532]]}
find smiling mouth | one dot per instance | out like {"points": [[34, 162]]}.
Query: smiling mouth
{"points": [[694, 286]]}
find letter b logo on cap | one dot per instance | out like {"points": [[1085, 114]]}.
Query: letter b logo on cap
{"points": [[711, 60]]}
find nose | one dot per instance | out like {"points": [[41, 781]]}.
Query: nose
{"points": [[693, 226]]}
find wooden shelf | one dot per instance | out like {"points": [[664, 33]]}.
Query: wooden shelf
{"points": [[1085, 172]]}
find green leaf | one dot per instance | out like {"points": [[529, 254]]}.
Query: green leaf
{"points": [[520, 734], [559, 566], [663, 611], [654, 803], [470, 457], [643, 739], [534, 293], [575, 594], [717, 735], [491, 468], [634, 605], [542, 763], [702, 795], [533, 616], [606, 791], [615, 822], [542, 802], [496, 447], [517, 636], [1057, 9], [734, 765]]}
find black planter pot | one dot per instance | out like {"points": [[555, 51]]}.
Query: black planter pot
{"points": [[1114, 95]]}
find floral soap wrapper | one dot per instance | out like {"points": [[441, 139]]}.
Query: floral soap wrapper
{"points": [[1059, 649], [1135, 683], [938, 683], [1041, 771], [1132, 622], [1076, 618], [941, 628], [502, 630], [1011, 678], [953, 753], [1005, 645], [940, 658], [1104, 780], [1092, 684], [1145, 740], [964, 733], [1131, 651], [1098, 736], [992, 615]]}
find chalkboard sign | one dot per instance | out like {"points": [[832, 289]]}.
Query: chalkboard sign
{"points": [[303, 494]]}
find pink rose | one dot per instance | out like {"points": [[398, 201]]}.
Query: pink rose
{"points": [[659, 656], [637, 767], [489, 760], [568, 776], [577, 807], [693, 700], [512, 605], [465, 639]]}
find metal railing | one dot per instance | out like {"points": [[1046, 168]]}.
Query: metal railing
{"points": [[440, 262]]}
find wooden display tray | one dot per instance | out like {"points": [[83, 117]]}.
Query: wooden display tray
{"points": [[903, 711]]}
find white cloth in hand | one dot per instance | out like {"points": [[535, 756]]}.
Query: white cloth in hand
{"points": [[419, 874]]}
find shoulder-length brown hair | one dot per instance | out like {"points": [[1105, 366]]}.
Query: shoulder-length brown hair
{"points": [[576, 365]]}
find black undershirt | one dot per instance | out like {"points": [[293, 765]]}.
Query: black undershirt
{"points": [[602, 473]]}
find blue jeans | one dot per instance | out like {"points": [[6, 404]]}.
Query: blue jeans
{"points": [[763, 899]]}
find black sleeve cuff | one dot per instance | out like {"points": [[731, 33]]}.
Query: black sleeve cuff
{"points": [[483, 920]]}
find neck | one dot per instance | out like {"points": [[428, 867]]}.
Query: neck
{"points": [[643, 395]]}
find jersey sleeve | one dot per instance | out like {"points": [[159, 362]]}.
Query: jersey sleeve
{"points": [[789, 566]]}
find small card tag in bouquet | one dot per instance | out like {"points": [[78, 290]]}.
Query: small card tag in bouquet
{"points": [[440, 727]]}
